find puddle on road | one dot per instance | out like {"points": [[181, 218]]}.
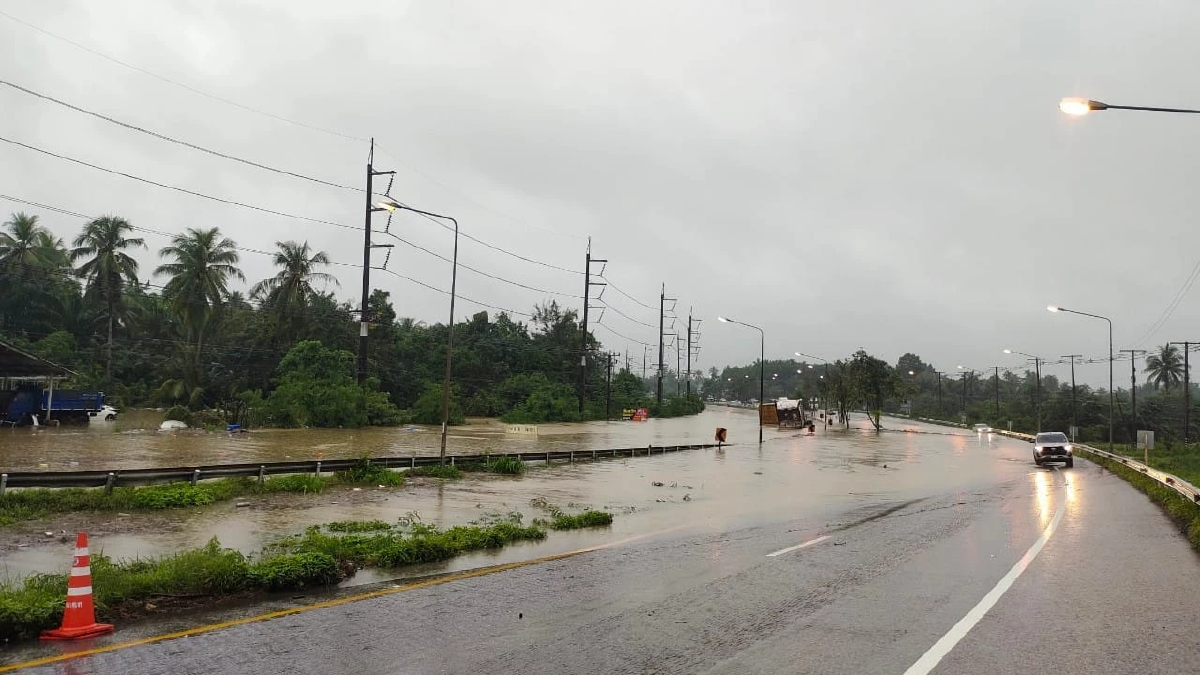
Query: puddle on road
{"points": [[791, 475]]}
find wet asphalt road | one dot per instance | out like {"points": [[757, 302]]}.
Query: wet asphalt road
{"points": [[1111, 591]]}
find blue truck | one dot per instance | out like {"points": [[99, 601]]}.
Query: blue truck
{"points": [[31, 404]]}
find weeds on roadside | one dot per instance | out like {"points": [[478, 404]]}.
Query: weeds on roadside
{"points": [[445, 471], [365, 473]]}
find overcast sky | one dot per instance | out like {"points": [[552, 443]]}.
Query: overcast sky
{"points": [[893, 176]]}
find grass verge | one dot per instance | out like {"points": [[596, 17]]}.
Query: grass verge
{"points": [[1173, 458], [320, 556], [28, 504], [589, 518], [1182, 511]]}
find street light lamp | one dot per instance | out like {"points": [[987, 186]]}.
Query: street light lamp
{"points": [[1037, 369], [390, 204], [1078, 107], [762, 366], [1111, 396]]}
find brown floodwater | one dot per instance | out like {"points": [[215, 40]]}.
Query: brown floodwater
{"points": [[791, 474], [134, 441]]}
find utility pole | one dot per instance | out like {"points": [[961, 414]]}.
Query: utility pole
{"points": [[645, 356], [689, 350], [1133, 354], [939, 374], [662, 314], [1187, 392], [587, 300], [1074, 413], [364, 317], [1037, 367], [997, 393], [608, 390], [678, 366]]}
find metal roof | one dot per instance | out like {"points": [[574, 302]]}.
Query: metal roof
{"points": [[16, 362]]}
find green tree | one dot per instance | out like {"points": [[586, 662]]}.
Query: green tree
{"points": [[317, 388], [287, 293], [202, 264], [871, 382], [107, 268], [1165, 367]]}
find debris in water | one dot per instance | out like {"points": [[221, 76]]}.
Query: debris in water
{"points": [[657, 483], [123, 515], [242, 505], [757, 473], [885, 466], [660, 501], [520, 615], [674, 483], [48, 533], [839, 543], [151, 606], [359, 489], [687, 498]]}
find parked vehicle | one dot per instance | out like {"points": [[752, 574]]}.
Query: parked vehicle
{"points": [[106, 413], [31, 404]]}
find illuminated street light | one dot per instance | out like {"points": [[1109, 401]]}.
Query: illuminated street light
{"points": [[1078, 107]]}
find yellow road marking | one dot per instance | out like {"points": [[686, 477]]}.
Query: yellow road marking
{"points": [[479, 572]]}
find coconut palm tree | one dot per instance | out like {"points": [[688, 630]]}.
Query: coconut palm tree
{"points": [[27, 246], [1165, 367], [202, 264], [107, 268], [286, 294]]}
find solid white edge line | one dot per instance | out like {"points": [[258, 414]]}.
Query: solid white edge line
{"points": [[799, 546], [934, 655]]}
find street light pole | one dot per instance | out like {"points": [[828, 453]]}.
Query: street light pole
{"points": [[762, 366], [1111, 396], [392, 205], [1037, 369]]}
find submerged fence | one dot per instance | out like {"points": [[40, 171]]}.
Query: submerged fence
{"points": [[131, 477]]}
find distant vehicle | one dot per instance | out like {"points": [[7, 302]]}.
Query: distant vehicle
{"points": [[983, 428], [106, 413], [1052, 446]]}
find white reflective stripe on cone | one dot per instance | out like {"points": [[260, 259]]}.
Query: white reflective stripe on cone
{"points": [[86, 590], [81, 551], [81, 571]]}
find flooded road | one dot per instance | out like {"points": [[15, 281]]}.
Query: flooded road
{"points": [[134, 441], [853, 552], [791, 473]]}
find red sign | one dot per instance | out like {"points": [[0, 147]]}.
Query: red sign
{"points": [[641, 414]]}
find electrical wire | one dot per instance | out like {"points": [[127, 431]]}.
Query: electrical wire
{"points": [[518, 256], [622, 335], [627, 317], [617, 289], [176, 141], [178, 189], [181, 85]]}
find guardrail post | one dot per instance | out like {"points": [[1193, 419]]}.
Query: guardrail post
{"points": [[112, 479], [572, 459], [547, 456], [451, 460], [593, 454], [3, 483], [195, 476], [649, 448], [318, 468], [414, 461], [262, 474]]}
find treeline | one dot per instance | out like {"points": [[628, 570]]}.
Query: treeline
{"points": [[912, 385], [284, 353]]}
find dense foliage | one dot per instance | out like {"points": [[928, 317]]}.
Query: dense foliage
{"points": [[285, 354], [911, 385]]}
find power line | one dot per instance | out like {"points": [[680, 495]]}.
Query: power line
{"points": [[181, 85], [621, 335], [481, 242], [186, 144], [178, 189], [478, 271], [458, 295], [1173, 305], [626, 316], [615, 288]]}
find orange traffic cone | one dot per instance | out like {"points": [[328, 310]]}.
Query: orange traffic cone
{"points": [[79, 617]]}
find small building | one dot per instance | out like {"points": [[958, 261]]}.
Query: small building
{"points": [[27, 394]]}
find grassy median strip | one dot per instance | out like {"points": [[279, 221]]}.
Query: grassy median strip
{"points": [[319, 556], [31, 503]]}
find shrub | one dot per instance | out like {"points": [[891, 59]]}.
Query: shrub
{"points": [[296, 570], [562, 521], [171, 496], [299, 482], [506, 465], [428, 408], [364, 472], [357, 526], [448, 471], [179, 413]]}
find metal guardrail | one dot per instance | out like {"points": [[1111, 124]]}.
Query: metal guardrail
{"points": [[131, 477], [1184, 488]]}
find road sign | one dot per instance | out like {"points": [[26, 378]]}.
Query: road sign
{"points": [[768, 415]]}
